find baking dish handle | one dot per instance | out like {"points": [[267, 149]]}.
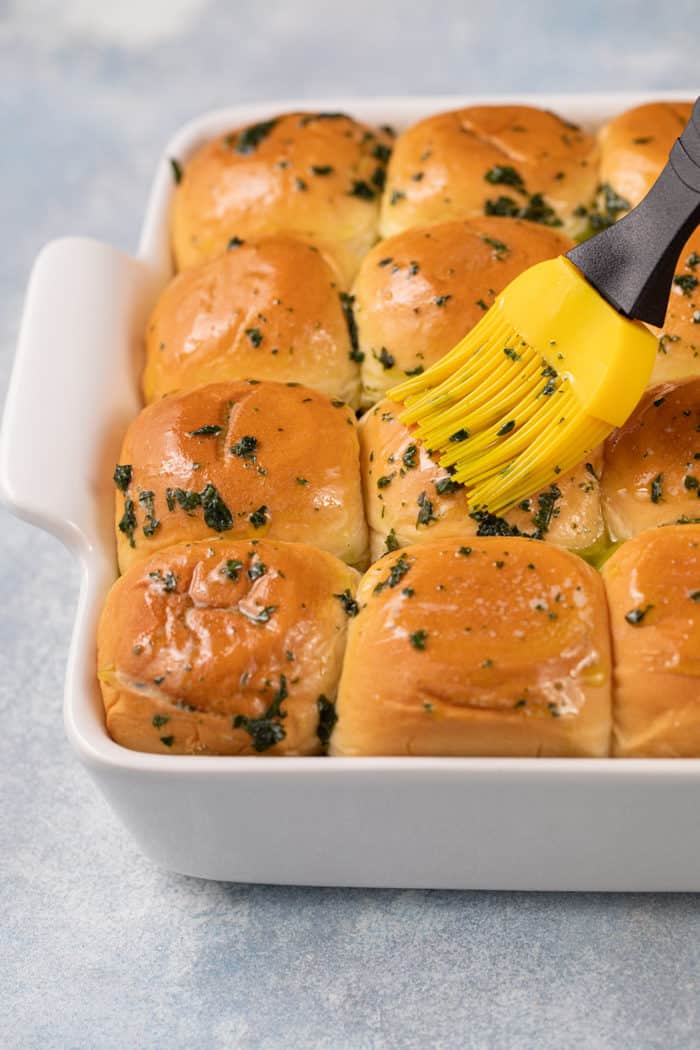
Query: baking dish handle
{"points": [[77, 360]]}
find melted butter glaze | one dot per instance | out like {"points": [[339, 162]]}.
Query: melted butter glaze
{"points": [[258, 446], [204, 632]]}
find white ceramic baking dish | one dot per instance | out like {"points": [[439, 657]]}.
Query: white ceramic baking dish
{"points": [[545, 824]]}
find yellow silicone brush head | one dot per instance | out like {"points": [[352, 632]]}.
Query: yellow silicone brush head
{"points": [[540, 381]]}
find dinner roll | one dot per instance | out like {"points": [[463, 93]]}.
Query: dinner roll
{"points": [[653, 588], [225, 648], [679, 339], [316, 175], [418, 293], [246, 459], [271, 309], [652, 463], [501, 160], [495, 647], [634, 146], [409, 498]]}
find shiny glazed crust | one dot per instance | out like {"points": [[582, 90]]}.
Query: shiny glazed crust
{"points": [[243, 459], [317, 176], [497, 647], [399, 476], [634, 147], [653, 587], [201, 633], [449, 166], [418, 293], [270, 309], [652, 463]]}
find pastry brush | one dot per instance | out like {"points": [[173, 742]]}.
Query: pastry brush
{"points": [[561, 358]]}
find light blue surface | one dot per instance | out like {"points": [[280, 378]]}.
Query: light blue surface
{"points": [[98, 949]]}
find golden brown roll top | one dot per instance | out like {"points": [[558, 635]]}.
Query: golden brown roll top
{"points": [[493, 160], [418, 293], [634, 148], [225, 648], [409, 498], [653, 588], [317, 176], [679, 339], [271, 309], [652, 463], [242, 459], [494, 647]]}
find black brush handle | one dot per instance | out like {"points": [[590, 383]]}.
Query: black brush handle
{"points": [[632, 264]]}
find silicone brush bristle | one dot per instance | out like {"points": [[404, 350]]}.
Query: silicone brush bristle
{"points": [[507, 413]]}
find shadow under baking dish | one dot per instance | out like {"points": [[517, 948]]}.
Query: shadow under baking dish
{"points": [[547, 824]]}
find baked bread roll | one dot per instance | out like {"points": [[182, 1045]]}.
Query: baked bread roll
{"points": [[495, 647], [409, 498], [315, 175], [653, 588], [243, 459], [418, 293], [271, 309], [652, 463], [502, 160], [225, 648], [634, 148]]}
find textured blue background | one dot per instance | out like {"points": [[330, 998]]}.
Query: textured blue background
{"points": [[98, 949]]}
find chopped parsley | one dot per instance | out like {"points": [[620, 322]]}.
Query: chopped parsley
{"points": [[245, 447], [216, 514], [425, 513], [151, 524], [391, 542], [158, 721], [546, 504], [176, 169], [127, 522], [418, 639], [386, 359], [410, 457], [268, 730], [256, 570], [248, 140], [259, 517], [255, 336], [656, 488], [347, 302], [231, 568], [686, 282], [186, 498], [208, 430], [234, 242], [396, 574], [362, 189], [504, 175], [460, 435], [500, 250], [322, 169], [168, 580], [348, 602], [122, 476], [635, 616], [327, 717], [506, 428], [263, 616], [441, 300], [444, 486]]}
